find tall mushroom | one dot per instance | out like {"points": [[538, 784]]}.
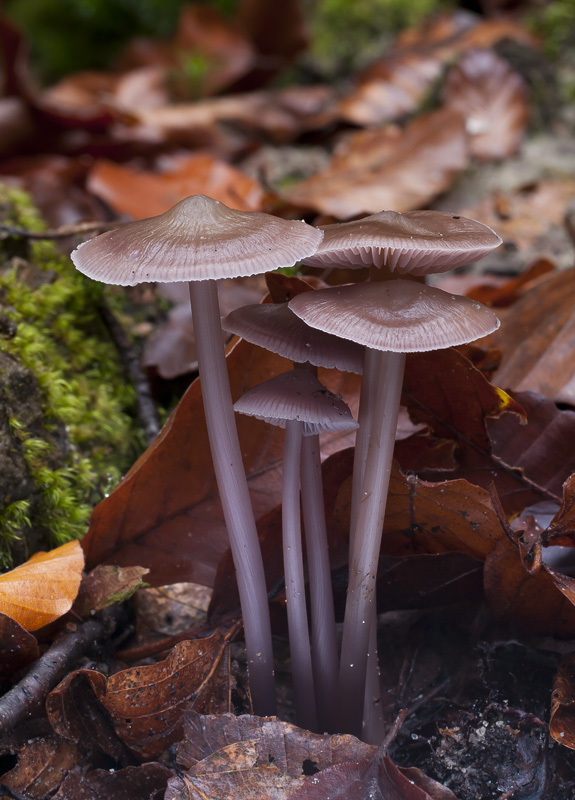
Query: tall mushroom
{"points": [[276, 328], [416, 243], [297, 401], [201, 240]]}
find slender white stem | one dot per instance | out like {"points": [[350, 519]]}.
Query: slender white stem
{"points": [[363, 565], [323, 631], [300, 651], [234, 494]]}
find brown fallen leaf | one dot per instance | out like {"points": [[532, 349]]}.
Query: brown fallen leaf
{"points": [[399, 169], [43, 588], [493, 99], [562, 719], [18, 647], [541, 603], [105, 585], [375, 777], [542, 362], [42, 766], [543, 448], [499, 293], [145, 194], [253, 757], [561, 531], [143, 704]]}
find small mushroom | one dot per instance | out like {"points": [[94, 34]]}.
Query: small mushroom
{"points": [[298, 402], [391, 318], [201, 240]]}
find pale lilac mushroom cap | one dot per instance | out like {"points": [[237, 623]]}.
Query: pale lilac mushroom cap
{"points": [[276, 328], [416, 242], [297, 395], [397, 316], [198, 239]]}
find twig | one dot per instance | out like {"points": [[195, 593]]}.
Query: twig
{"points": [[63, 232], [27, 697], [147, 412]]}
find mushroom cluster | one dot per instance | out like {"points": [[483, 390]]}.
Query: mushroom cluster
{"points": [[362, 327]]}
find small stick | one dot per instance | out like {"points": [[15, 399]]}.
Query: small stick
{"points": [[27, 697]]}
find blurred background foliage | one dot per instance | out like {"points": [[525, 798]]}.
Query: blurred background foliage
{"points": [[72, 35]]}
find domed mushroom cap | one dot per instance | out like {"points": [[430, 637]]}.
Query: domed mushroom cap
{"points": [[198, 239], [398, 316], [276, 328], [417, 242], [297, 395]]}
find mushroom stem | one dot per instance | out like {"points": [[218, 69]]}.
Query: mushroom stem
{"points": [[234, 494], [300, 651], [324, 653], [363, 566]]}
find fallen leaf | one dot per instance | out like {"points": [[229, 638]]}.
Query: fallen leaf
{"points": [[43, 588], [561, 531], [541, 603], [376, 778], [18, 647], [145, 194], [143, 704], [562, 719], [543, 448], [105, 585], [494, 101], [253, 757], [388, 168], [499, 293], [42, 766], [543, 361]]}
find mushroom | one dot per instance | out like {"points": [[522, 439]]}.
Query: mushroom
{"points": [[391, 318], [201, 240], [298, 402], [276, 328]]}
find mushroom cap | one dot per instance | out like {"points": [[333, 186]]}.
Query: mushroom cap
{"points": [[197, 239], [398, 316], [297, 395], [275, 327], [417, 242]]}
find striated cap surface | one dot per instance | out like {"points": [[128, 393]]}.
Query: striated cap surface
{"points": [[397, 315], [198, 239]]}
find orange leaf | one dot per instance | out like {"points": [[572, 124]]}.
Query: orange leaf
{"points": [[44, 588]]}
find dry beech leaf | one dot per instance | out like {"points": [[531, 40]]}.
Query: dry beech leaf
{"points": [[561, 531], [525, 215], [392, 169], [42, 766], [253, 757], [145, 194], [493, 99], [44, 588], [397, 83], [542, 362], [18, 647], [105, 585], [376, 778], [543, 448], [541, 604], [143, 704], [497, 292], [145, 782], [562, 719]]}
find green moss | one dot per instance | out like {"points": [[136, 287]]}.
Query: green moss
{"points": [[346, 35], [60, 338]]}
